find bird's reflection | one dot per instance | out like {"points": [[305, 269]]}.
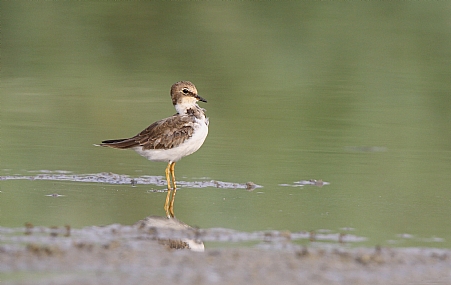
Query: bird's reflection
{"points": [[169, 203], [172, 233]]}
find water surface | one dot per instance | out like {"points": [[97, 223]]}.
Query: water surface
{"points": [[356, 95]]}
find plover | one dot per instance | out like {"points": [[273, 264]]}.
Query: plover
{"points": [[172, 138]]}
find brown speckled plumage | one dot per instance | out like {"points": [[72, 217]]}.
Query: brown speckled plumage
{"points": [[163, 134]]}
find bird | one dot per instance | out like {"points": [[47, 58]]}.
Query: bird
{"points": [[170, 139]]}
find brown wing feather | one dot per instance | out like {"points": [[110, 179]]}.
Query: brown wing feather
{"points": [[120, 143], [163, 134]]}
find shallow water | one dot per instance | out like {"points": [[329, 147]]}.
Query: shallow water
{"points": [[353, 95]]}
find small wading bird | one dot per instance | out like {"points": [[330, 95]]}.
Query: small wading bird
{"points": [[172, 138]]}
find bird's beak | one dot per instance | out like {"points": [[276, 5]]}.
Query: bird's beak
{"points": [[201, 99]]}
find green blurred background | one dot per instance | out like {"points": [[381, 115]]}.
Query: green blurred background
{"points": [[356, 94]]}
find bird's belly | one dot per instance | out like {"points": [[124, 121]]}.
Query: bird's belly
{"points": [[174, 154]]}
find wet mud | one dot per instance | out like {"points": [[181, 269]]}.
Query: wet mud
{"points": [[112, 178], [159, 250]]}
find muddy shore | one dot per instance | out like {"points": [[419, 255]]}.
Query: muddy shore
{"points": [[157, 251]]}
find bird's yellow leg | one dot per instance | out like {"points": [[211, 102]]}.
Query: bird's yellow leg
{"points": [[171, 206], [166, 204], [173, 174]]}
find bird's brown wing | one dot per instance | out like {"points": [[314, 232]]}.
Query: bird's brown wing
{"points": [[163, 134]]}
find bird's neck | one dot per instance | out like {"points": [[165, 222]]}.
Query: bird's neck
{"points": [[190, 110]]}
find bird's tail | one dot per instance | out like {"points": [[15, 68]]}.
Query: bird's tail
{"points": [[120, 143]]}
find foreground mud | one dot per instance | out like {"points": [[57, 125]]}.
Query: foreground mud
{"points": [[157, 251]]}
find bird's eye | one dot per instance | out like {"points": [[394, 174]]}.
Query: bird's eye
{"points": [[186, 91]]}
